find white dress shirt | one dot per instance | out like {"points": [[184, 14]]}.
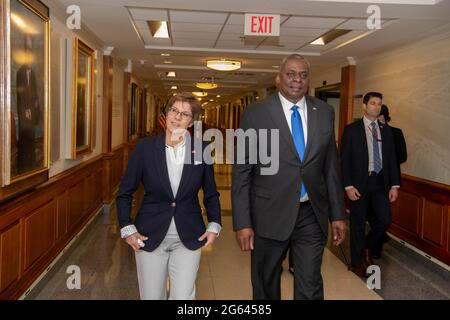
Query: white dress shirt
{"points": [[301, 104], [175, 164]]}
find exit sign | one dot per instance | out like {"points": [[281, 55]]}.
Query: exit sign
{"points": [[262, 25]]}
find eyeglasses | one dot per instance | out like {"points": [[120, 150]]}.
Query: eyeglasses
{"points": [[291, 75], [175, 112]]}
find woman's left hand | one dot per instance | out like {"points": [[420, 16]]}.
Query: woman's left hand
{"points": [[210, 238]]}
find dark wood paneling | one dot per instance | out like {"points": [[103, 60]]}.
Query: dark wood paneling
{"points": [[406, 212], [433, 223], [61, 214], [423, 206], [76, 203], [39, 232], [9, 255]]}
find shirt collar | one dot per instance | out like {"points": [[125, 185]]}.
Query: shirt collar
{"points": [[367, 121], [287, 105]]}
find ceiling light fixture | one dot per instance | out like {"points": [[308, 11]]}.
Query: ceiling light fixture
{"points": [[206, 85], [171, 74], [159, 29], [200, 93], [165, 54], [329, 36], [223, 64], [174, 87]]}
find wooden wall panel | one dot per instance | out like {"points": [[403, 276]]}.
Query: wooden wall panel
{"points": [[433, 223], [61, 214], [421, 216], [76, 203], [39, 232], [9, 255], [406, 212]]}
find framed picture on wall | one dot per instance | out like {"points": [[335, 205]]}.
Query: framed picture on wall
{"points": [[134, 101], [24, 102], [82, 98]]}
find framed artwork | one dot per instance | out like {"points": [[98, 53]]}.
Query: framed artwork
{"points": [[134, 112], [24, 97], [82, 98]]}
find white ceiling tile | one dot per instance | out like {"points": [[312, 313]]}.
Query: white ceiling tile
{"points": [[309, 22], [197, 16], [233, 28], [302, 32], [231, 36], [356, 24], [193, 43], [148, 14], [236, 19], [231, 44], [195, 27], [197, 35]]}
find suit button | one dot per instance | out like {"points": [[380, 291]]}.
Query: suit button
{"points": [[173, 204]]}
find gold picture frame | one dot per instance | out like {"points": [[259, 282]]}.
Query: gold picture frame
{"points": [[24, 95], [82, 98]]}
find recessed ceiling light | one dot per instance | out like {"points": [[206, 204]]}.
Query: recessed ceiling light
{"points": [[167, 61], [329, 36], [165, 54], [218, 96], [171, 74], [174, 87], [158, 29]]}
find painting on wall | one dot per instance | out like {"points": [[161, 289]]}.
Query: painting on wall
{"points": [[83, 98], [24, 104]]}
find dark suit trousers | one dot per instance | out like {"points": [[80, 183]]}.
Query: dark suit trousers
{"points": [[307, 243], [375, 199]]}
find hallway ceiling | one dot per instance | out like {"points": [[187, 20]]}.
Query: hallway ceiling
{"points": [[205, 29]]}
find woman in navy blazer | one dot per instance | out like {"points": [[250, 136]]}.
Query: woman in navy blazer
{"points": [[168, 231]]}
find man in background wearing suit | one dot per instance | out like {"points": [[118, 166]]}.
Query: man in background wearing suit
{"points": [[401, 155], [371, 180], [293, 206]]}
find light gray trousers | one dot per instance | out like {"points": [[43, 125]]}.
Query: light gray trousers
{"points": [[174, 259]]}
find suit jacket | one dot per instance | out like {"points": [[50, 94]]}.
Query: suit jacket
{"points": [[400, 145], [270, 203], [355, 156], [148, 165]]}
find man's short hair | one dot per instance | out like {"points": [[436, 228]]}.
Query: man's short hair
{"points": [[372, 94]]}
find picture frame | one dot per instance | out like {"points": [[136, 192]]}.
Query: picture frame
{"points": [[133, 117], [82, 98], [24, 96]]}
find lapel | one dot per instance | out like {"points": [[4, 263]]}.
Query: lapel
{"points": [[312, 124], [187, 167], [362, 134], [161, 164], [277, 115]]}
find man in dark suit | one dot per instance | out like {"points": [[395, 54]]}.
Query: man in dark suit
{"points": [[371, 180], [293, 206], [401, 155]]}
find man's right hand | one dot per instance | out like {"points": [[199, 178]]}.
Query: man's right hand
{"points": [[353, 194], [245, 238], [132, 240]]}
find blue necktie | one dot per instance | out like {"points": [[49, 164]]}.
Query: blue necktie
{"points": [[299, 139], [376, 151]]}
